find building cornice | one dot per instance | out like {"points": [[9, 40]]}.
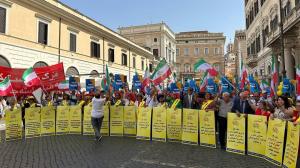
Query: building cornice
{"points": [[6, 2]]}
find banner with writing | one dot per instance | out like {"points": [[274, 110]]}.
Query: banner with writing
{"points": [[33, 122], [236, 133], [291, 147], [257, 135], [207, 128], [75, 119], [62, 120], [87, 122], [105, 123], [159, 124], [190, 126], [47, 121], [130, 121], [13, 122], [144, 124], [174, 131], [275, 140], [116, 121]]}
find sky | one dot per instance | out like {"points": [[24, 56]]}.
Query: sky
{"points": [[180, 15]]}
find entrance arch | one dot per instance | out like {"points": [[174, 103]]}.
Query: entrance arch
{"points": [[72, 71], [40, 64], [4, 62]]}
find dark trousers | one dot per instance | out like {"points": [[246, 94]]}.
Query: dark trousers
{"points": [[97, 123], [222, 123]]}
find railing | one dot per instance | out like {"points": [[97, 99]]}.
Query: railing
{"points": [[252, 60]]}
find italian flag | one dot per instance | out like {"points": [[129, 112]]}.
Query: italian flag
{"points": [[298, 79], [5, 87], [161, 72], [63, 85], [30, 78], [204, 82], [243, 75], [105, 83], [146, 81], [202, 65], [274, 80]]}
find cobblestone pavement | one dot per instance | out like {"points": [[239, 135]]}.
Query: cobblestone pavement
{"points": [[83, 151]]}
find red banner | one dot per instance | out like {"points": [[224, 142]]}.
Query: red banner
{"points": [[50, 77]]}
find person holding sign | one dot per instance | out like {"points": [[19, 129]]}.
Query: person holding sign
{"points": [[97, 113], [139, 100], [189, 99], [241, 105], [283, 111]]}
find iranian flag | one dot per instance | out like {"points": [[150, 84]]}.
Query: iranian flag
{"points": [[202, 65], [30, 78], [298, 79], [63, 85], [204, 82], [161, 72], [105, 83], [5, 87], [243, 75], [274, 80]]}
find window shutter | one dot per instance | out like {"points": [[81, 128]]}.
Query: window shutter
{"points": [[45, 34], [98, 51], [92, 49], [41, 33], [72, 42], [2, 20]]}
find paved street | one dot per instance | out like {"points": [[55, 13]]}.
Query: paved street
{"points": [[82, 151]]}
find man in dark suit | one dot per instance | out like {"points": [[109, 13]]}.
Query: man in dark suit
{"points": [[241, 105], [189, 100]]}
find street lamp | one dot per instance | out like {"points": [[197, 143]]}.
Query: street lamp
{"points": [[282, 39]]}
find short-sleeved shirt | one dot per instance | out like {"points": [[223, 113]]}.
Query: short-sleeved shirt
{"points": [[97, 111], [224, 107]]}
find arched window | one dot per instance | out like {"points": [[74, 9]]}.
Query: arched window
{"points": [[94, 73], [269, 69], [72, 71], [40, 64], [187, 68], [4, 62]]}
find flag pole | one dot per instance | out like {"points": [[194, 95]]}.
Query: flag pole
{"points": [[13, 91]]}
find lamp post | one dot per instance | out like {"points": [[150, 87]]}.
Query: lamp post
{"points": [[282, 39]]}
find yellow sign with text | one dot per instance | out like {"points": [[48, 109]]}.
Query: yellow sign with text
{"points": [[47, 121], [174, 131], [207, 128], [275, 141], [190, 126], [75, 119], [62, 120], [105, 123], [13, 122], [116, 121], [257, 135], [144, 124], [236, 133], [130, 121], [159, 124], [33, 122], [291, 147], [87, 123]]}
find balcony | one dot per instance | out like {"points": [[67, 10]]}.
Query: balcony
{"points": [[251, 60]]}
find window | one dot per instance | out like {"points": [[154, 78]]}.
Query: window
{"points": [[2, 20], [216, 50], [111, 55], [73, 42], [155, 52], [187, 68], [274, 23], [177, 52], [133, 62], [186, 51], [124, 59], [43, 33], [150, 68], [155, 40], [206, 51], [143, 66], [196, 51], [95, 49]]}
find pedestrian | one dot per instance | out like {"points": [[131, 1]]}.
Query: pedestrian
{"points": [[97, 113]]}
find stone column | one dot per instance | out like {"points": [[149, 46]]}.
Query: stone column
{"points": [[289, 64]]}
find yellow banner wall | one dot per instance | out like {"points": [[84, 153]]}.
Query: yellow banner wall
{"points": [[236, 133], [116, 121], [291, 147], [13, 121], [87, 121], [47, 121], [130, 121], [62, 120], [174, 131], [159, 124], [75, 119], [190, 126], [144, 123], [207, 128], [105, 123], [32, 122], [275, 140], [257, 135]]}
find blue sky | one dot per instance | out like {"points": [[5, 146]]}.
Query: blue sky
{"points": [[181, 15]]}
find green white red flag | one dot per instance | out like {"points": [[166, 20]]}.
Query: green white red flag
{"points": [[105, 83], [298, 79], [5, 87], [243, 75], [204, 82], [162, 72], [63, 85], [274, 80], [30, 78]]}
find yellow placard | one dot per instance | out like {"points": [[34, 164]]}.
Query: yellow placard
{"points": [[62, 120], [47, 121], [190, 126], [105, 123], [13, 122], [275, 140], [159, 124], [291, 146], [130, 121], [33, 122], [207, 128], [87, 121], [144, 124], [75, 119], [236, 133], [116, 121], [257, 135], [174, 131], [175, 103]]}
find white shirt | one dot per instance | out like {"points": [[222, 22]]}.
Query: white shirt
{"points": [[150, 102], [97, 111], [3, 106]]}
